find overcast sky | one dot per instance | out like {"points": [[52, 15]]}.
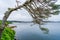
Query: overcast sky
{"points": [[20, 14]]}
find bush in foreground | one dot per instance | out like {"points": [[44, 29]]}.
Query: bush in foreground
{"points": [[8, 34]]}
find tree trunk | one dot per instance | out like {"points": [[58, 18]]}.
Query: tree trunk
{"points": [[1, 33], [3, 22], [7, 13]]}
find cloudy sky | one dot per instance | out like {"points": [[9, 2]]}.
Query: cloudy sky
{"points": [[20, 14]]}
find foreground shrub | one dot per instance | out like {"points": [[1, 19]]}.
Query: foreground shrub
{"points": [[8, 34]]}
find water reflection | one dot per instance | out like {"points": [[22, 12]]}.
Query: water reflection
{"points": [[25, 31]]}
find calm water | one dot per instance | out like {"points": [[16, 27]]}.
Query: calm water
{"points": [[25, 31]]}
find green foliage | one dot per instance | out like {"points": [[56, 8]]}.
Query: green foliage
{"points": [[45, 30], [5, 22], [55, 6], [56, 12], [0, 22], [46, 1], [42, 9], [8, 34]]}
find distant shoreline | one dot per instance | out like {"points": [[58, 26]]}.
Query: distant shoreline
{"points": [[32, 21]]}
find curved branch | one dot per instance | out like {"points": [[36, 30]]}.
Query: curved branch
{"points": [[7, 13]]}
